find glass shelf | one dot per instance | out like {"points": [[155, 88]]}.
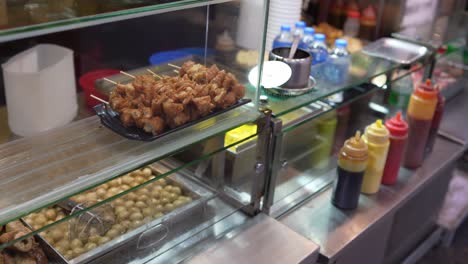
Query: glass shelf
{"points": [[41, 170], [23, 19], [362, 69]]}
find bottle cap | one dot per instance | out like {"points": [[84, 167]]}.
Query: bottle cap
{"points": [[354, 148], [300, 24], [397, 126], [342, 43], [369, 14], [377, 133], [286, 28], [426, 90], [353, 14], [319, 37], [309, 31]]}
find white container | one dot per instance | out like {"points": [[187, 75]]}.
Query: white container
{"points": [[282, 12], [40, 89]]}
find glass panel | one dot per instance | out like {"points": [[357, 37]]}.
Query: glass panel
{"points": [[307, 161], [148, 211], [44, 169], [362, 69], [20, 19]]}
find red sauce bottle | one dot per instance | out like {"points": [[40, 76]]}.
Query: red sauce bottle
{"points": [[421, 109], [398, 129], [439, 112]]}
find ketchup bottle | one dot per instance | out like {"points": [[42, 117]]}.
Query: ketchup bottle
{"points": [[439, 111], [376, 137], [398, 129], [420, 113], [352, 163]]}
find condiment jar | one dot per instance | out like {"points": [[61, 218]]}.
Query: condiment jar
{"points": [[376, 136], [439, 112], [352, 163], [398, 129], [420, 113]]}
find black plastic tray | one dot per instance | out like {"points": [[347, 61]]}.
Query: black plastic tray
{"points": [[110, 119]]}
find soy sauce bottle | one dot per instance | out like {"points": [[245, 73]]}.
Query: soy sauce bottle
{"points": [[352, 163]]}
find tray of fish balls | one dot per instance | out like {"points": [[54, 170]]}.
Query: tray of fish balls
{"points": [[153, 105], [166, 204]]}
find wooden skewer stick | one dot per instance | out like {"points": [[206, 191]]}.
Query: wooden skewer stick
{"points": [[109, 80], [176, 71], [128, 74], [154, 74], [99, 99], [174, 66]]}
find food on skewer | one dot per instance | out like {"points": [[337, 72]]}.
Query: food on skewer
{"points": [[153, 103]]}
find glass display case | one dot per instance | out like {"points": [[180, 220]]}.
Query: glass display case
{"points": [[83, 192]]}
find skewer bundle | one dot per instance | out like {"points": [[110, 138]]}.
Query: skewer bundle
{"points": [[153, 102]]}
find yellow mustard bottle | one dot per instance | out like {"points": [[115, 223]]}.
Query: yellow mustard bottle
{"points": [[377, 138]]}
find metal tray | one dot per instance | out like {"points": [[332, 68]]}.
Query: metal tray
{"points": [[395, 50], [200, 196], [110, 119]]}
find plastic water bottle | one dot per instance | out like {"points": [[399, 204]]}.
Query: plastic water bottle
{"points": [[284, 39], [319, 49], [308, 39], [337, 68], [299, 29]]}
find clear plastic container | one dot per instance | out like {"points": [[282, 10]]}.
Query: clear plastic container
{"points": [[284, 39]]}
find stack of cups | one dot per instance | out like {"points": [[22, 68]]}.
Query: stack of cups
{"points": [[281, 12]]}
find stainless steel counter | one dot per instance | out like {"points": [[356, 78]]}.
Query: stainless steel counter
{"points": [[262, 240], [334, 230], [454, 124]]}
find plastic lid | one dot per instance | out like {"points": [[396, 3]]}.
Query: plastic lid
{"points": [[319, 37], [300, 24], [377, 133], [355, 147], [397, 126], [353, 14], [426, 90], [286, 28], [309, 31], [342, 43]]}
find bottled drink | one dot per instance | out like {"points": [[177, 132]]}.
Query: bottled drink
{"points": [[284, 39], [319, 49], [376, 137], [351, 26], [420, 113], [308, 39], [398, 129], [401, 92], [337, 68], [299, 29], [337, 14], [368, 23], [352, 163]]}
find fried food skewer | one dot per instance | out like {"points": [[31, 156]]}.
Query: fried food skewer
{"points": [[154, 74], [109, 80], [99, 99], [174, 66], [128, 74]]}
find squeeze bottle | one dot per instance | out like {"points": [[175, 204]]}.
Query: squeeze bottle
{"points": [[376, 137], [439, 112], [352, 162], [420, 113], [398, 129]]}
